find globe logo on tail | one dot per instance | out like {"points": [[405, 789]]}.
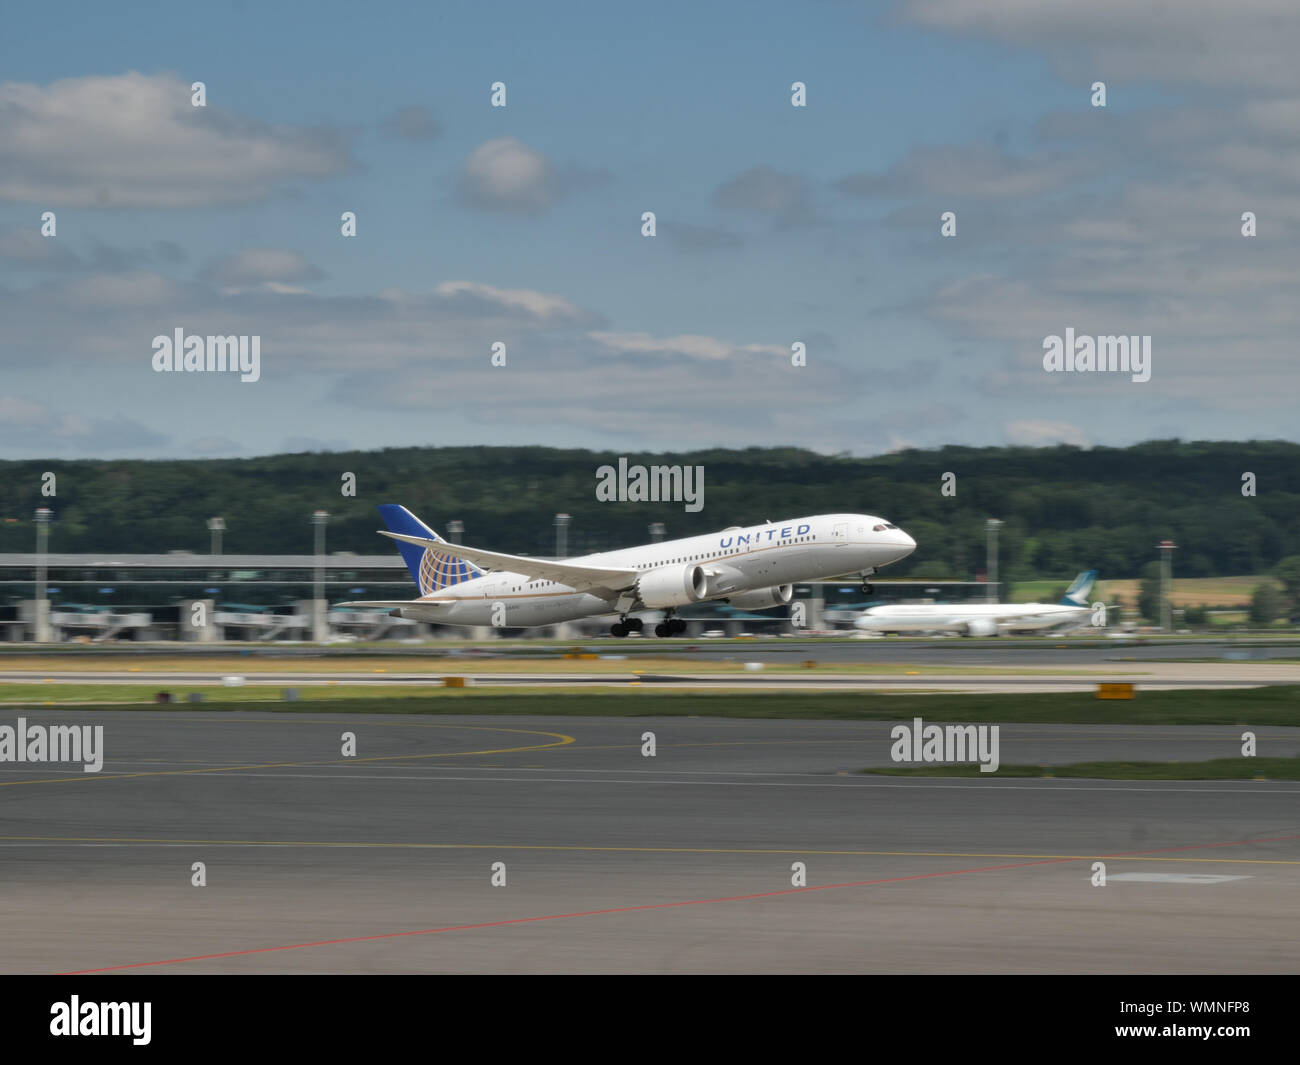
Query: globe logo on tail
{"points": [[439, 571]]}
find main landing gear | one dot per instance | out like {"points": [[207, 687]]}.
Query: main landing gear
{"points": [[668, 627], [624, 625]]}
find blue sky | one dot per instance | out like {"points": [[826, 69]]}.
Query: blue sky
{"points": [[522, 224]]}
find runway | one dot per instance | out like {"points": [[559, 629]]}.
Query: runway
{"points": [[1150, 676], [616, 862], [1045, 652], [948, 665]]}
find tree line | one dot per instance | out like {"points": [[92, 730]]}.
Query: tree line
{"points": [[1064, 508]]}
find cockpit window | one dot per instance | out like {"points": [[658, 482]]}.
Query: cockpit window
{"points": [[879, 528]]}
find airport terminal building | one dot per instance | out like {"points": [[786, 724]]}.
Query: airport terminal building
{"points": [[181, 595]]}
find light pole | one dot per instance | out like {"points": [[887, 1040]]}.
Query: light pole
{"points": [[561, 535], [319, 630], [42, 605], [216, 526], [455, 529], [657, 531], [1167, 549], [991, 576]]}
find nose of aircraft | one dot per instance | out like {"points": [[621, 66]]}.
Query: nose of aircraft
{"points": [[902, 544]]}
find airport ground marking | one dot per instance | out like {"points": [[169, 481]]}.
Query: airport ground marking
{"points": [[1099, 785], [516, 921], [601, 848], [647, 907], [814, 778], [1175, 878], [1229, 737], [560, 738], [1251, 789]]}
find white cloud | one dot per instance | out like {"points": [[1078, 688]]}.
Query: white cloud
{"points": [[507, 175], [691, 346], [215, 445], [787, 197], [18, 412], [1276, 116], [116, 292], [135, 140], [27, 247], [297, 444], [1243, 43], [24, 423], [974, 171], [655, 395], [1042, 433], [271, 268], [413, 124], [409, 353], [687, 237], [112, 318], [537, 305]]}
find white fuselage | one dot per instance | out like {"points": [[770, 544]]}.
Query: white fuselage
{"points": [[735, 560], [980, 619]]}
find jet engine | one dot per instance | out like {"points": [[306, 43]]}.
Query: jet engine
{"points": [[981, 627], [763, 598], [672, 586]]}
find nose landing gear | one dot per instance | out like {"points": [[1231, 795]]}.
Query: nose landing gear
{"points": [[867, 587]]}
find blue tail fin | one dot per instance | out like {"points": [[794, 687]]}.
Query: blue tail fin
{"points": [[1077, 593], [431, 569]]}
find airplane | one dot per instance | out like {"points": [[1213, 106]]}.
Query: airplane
{"points": [[982, 619], [752, 567]]}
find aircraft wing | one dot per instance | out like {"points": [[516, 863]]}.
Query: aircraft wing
{"points": [[574, 574]]}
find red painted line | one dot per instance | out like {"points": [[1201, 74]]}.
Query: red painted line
{"points": [[564, 916], [654, 906]]}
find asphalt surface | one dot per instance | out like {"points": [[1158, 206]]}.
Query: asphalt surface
{"points": [[1191, 662], [615, 862], [990, 652], [1008, 652], [1151, 675]]}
